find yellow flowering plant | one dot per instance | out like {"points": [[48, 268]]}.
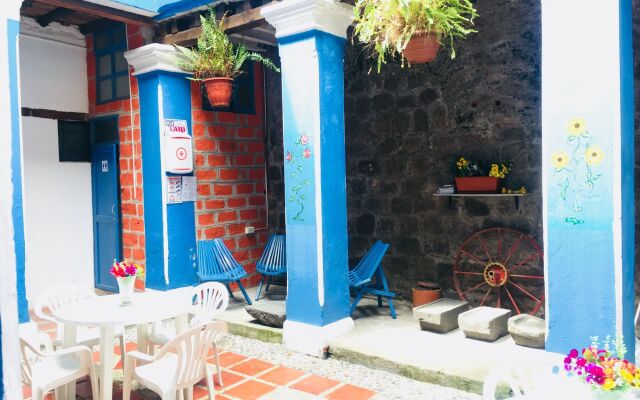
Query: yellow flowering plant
{"points": [[463, 167]]}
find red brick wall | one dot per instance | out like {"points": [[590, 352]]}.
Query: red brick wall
{"points": [[128, 112], [229, 158]]}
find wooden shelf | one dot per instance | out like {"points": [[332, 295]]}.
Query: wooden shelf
{"points": [[516, 196]]}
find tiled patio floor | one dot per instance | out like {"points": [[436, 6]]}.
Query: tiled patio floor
{"points": [[244, 378]]}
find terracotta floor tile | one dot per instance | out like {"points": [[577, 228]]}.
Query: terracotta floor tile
{"points": [[252, 367], [350, 392], [130, 346], [200, 393], [250, 390], [281, 375], [228, 379], [315, 384], [227, 359]]}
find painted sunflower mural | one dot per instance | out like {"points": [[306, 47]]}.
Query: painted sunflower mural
{"points": [[577, 168]]}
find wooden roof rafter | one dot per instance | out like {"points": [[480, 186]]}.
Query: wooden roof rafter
{"points": [[240, 25], [98, 10]]}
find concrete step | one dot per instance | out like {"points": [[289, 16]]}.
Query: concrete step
{"points": [[527, 330], [484, 323], [268, 313], [441, 315]]}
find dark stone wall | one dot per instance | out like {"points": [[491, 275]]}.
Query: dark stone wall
{"points": [[404, 126]]}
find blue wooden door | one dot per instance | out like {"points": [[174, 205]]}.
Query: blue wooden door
{"points": [[106, 213]]}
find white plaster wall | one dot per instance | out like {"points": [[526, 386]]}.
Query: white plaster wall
{"points": [[53, 74], [57, 196]]}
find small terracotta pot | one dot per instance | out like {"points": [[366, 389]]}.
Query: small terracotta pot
{"points": [[488, 184], [219, 91], [422, 48], [422, 295]]}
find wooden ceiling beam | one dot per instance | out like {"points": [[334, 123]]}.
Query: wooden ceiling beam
{"points": [[233, 24], [96, 25], [101, 11], [55, 15]]}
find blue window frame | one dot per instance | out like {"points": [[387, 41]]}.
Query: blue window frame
{"points": [[112, 69]]}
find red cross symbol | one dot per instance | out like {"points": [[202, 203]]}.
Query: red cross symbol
{"points": [[181, 153]]}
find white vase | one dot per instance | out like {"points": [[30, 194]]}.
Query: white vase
{"points": [[125, 287]]}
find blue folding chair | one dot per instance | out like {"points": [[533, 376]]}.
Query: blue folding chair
{"points": [[273, 262], [360, 278], [215, 263]]}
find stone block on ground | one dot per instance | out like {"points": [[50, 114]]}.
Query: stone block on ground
{"points": [[441, 315], [272, 313], [527, 330], [484, 323]]}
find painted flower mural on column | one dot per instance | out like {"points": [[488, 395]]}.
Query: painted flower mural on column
{"points": [[297, 158], [576, 168]]}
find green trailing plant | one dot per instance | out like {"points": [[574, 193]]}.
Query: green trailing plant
{"points": [[214, 55], [388, 25]]}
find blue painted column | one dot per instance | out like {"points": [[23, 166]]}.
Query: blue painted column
{"points": [[170, 241], [311, 40], [588, 171], [13, 303]]}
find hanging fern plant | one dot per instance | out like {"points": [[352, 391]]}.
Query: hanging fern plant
{"points": [[395, 28], [217, 61]]}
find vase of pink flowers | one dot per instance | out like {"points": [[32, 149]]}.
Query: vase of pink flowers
{"points": [[126, 273]]}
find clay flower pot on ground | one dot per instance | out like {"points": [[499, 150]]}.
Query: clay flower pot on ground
{"points": [[219, 91], [422, 48], [487, 184], [425, 292]]}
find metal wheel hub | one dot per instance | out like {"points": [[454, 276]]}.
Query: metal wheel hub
{"points": [[496, 274]]}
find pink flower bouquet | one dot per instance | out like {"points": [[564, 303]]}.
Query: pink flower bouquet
{"points": [[125, 269], [599, 368]]}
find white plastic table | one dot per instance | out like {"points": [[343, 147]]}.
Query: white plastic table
{"points": [[106, 313]]}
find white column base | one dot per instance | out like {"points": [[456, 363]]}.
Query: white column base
{"points": [[311, 339]]}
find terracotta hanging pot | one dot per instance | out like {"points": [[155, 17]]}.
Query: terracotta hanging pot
{"points": [[422, 48], [425, 292], [219, 91]]}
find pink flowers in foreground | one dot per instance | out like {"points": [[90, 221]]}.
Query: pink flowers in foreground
{"points": [[125, 269], [600, 369]]}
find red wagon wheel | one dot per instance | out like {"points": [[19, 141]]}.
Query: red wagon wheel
{"points": [[501, 267]]}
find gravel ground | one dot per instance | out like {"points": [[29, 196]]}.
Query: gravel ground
{"points": [[388, 386]]}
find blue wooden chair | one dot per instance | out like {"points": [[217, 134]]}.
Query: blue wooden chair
{"points": [[273, 262], [360, 278], [215, 263]]}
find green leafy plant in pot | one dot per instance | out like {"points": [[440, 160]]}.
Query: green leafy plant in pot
{"points": [[412, 29], [216, 61]]}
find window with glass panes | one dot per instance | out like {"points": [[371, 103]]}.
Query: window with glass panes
{"points": [[112, 69]]}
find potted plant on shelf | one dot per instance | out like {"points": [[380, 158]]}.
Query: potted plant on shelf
{"points": [[472, 176], [412, 29], [216, 61]]}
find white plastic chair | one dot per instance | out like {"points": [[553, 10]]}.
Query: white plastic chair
{"points": [[542, 381], [177, 366], [210, 299], [60, 296], [49, 370]]}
